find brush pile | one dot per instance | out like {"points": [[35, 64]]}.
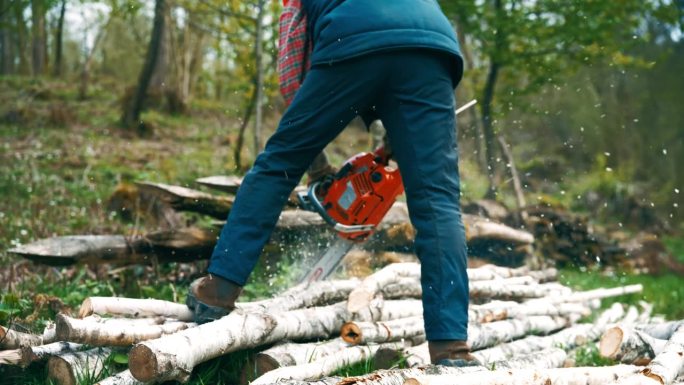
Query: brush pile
{"points": [[524, 328]]}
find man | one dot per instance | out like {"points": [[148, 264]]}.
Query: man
{"points": [[399, 61]]}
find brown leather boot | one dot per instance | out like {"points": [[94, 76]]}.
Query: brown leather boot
{"points": [[211, 297], [451, 353]]}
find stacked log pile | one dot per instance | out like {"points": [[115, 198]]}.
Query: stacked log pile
{"points": [[522, 325]]}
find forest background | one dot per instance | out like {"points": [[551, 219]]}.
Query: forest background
{"points": [[584, 97]]}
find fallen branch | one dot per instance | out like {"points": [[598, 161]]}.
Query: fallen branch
{"points": [[114, 332], [73, 368], [134, 307], [629, 346]]}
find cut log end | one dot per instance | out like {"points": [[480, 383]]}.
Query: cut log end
{"points": [[648, 373], [359, 299], [412, 381], [386, 358], [351, 333], [610, 342], [86, 308], [264, 364], [143, 364], [60, 371]]}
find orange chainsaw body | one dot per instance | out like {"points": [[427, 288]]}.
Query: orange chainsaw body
{"points": [[361, 193]]}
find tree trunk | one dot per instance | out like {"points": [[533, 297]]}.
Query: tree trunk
{"points": [[323, 366], [487, 127], [58, 69], [72, 368], [240, 142], [38, 44], [115, 332], [131, 115], [259, 86], [629, 346], [134, 307], [22, 38], [517, 186], [6, 48], [88, 61]]}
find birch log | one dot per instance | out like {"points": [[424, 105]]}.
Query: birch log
{"points": [[584, 296], [493, 333], [567, 338], [114, 332], [565, 376], [361, 297], [72, 368], [123, 378], [357, 333], [403, 288], [292, 354], [12, 339], [500, 310], [323, 366], [29, 354], [319, 293], [660, 331], [505, 289], [667, 365], [173, 357], [134, 307], [629, 346], [398, 376]]}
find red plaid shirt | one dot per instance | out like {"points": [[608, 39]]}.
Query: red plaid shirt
{"points": [[294, 49]]}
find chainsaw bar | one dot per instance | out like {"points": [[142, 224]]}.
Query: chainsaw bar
{"points": [[328, 261]]}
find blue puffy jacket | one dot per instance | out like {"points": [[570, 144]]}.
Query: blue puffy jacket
{"points": [[344, 29]]}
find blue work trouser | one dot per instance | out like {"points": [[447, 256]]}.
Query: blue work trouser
{"points": [[411, 91]]}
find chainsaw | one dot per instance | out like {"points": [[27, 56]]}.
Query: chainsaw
{"points": [[353, 202]]}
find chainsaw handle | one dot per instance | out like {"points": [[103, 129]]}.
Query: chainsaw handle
{"points": [[339, 227]]}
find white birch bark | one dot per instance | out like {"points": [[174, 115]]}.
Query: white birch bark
{"points": [[500, 310], [661, 331], [318, 293], [173, 357], [493, 333], [114, 332], [12, 339], [667, 365], [292, 354], [323, 366], [364, 332], [361, 296], [567, 338], [389, 310], [403, 288], [398, 376], [123, 378], [504, 289], [72, 368], [564, 376], [135, 308], [26, 355], [585, 296], [629, 346]]}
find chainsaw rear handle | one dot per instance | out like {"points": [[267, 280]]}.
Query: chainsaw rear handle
{"points": [[313, 202]]}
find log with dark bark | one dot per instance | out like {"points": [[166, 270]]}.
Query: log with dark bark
{"points": [[186, 199], [228, 184], [179, 245]]}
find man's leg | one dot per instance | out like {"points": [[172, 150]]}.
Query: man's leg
{"points": [[418, 113], [328, 100]]}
